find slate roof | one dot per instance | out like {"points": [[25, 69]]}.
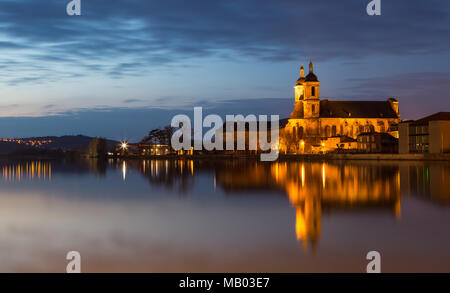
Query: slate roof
{"points": [[311, 77], [350, 109]]}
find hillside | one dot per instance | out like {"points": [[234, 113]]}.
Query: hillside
{"points": [[49, 143]]}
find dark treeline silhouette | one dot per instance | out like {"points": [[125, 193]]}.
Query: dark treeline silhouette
{"points": [[159, 136]]}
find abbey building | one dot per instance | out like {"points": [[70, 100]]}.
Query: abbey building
{"points": [[317, 125]]}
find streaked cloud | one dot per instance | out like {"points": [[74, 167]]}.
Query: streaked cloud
{"points": [[133, 37]]}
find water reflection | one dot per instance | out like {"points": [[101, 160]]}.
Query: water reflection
{"points": [[28, 170], [186, 201], [314, 187], [311, 187]]}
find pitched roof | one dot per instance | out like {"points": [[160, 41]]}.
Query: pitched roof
{"points": [[435, 117], [350, 109], [311, 77], [357, 109], [381, 134]]}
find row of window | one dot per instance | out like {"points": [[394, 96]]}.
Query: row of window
{"points": [[419, 143], [418, 129], [332, 131], [367, 146], [366, 138]]}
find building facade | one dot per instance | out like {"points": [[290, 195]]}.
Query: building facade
{"points": [[427, 135], [376, 142], [313, 121]]}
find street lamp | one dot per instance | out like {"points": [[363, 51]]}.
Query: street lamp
{"points": [[124, 145]]}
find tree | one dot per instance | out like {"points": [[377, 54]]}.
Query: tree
{"points": [[160, 136], [97, 148]]}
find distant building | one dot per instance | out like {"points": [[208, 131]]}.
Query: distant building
{"points": [[313, 120], [427, 135], [375, 142], [153, 149], [249, 131]]}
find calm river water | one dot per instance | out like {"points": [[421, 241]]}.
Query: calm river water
{"points": [[224, 216]]}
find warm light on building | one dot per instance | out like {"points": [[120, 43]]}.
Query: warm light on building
{"points": [[323, 126]]}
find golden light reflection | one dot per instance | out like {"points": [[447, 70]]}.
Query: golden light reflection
{"points": [[334, 187], [313, 187], [323, 175], [40, 170], [303, 175], [124, 170]]}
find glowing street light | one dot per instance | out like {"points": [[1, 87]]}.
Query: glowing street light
{"points": [[124, 145]]}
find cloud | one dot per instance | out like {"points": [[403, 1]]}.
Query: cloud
{"points": [[129, 123], [416, 91], [132, 38], [131, 101]]}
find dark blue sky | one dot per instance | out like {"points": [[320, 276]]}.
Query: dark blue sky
{"points": [[124, 67]]}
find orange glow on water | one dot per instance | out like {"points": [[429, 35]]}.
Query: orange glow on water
{"points": [[27, 171]]}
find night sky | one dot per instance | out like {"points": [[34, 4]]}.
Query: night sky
{"points": [[124, 67]]}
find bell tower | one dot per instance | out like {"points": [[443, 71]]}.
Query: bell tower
{"points": [[299, 86], [311, 88]]}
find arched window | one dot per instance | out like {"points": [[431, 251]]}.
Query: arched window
{"points": [[300, 132], [313, 91], [327, 131], [333, 131], [294, 132]]}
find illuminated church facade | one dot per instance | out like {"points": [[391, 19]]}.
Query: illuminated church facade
{"points": [[317, 125]]}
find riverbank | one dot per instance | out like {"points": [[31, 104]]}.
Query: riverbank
{"points": [[300, 157]]}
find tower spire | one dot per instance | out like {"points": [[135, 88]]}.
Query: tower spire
{"points": [[311, 66], [302, 72]]}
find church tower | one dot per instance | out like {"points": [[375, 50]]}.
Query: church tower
{"points": [[311, 89], [299, 86]]}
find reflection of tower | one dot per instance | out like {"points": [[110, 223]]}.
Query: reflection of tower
{"points": [[307, 199], [308, 221], [312, 187]]}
